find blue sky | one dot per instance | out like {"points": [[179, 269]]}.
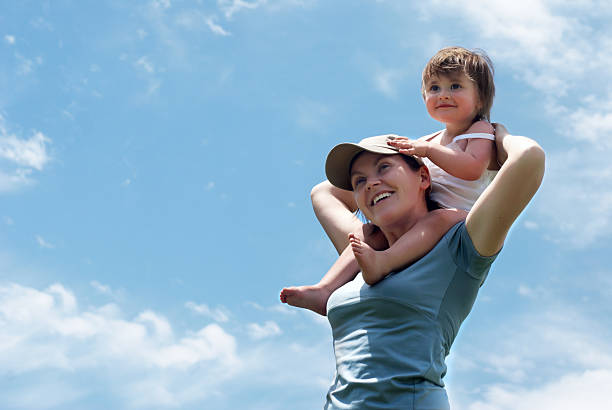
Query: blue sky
{"points": [[156, 159]]}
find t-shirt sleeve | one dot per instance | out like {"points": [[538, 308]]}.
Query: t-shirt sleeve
{"points": [[466, 256]]}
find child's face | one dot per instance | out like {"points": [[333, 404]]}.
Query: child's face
{"points": [[452, 99]]}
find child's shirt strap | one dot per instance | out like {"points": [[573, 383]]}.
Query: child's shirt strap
{"points": [[483, 135]]}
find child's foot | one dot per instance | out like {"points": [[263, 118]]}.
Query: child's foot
{"points": [[371, 262], [307, 297]]}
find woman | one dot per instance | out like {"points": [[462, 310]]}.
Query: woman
{"points": [[391, 339]]}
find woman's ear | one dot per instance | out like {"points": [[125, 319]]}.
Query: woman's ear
{"points": [[425, 177]]}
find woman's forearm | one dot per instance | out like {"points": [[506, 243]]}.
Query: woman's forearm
{"points": [[505, 198]]}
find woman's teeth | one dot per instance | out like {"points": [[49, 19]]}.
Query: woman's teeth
{"points": [[380, 196]]}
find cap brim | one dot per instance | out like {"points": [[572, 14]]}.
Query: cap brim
{"points": [[340, 158]]}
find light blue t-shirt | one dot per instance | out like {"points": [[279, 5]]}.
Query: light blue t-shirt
{"points": [[391, 339]]}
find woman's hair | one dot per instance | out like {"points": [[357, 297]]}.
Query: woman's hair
{"points": [[415, 166], [475, 64]]}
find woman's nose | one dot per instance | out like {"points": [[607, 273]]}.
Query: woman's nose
{"points": [[371, 183]]}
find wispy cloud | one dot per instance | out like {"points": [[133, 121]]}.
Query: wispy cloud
{"points": [[161, 4], [230, 7], [268, 329], [145, 64], [216, 28], [43, 243], [565, 348], [388, 80], [219, 314], [21, 156], [9, 39]]}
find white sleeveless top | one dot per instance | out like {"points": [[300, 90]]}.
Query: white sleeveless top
{"points": [[453, 192]]}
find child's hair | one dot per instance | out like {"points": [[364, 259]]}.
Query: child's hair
{"points": [[475, 64]]}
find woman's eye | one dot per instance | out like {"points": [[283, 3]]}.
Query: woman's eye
{"points": [[455, 86], [358, 181], [383, 167]]}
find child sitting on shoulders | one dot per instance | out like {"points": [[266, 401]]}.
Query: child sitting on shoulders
{"points": [[458, 90]]}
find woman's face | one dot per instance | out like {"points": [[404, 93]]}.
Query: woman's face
{"points": [[386, 189]]}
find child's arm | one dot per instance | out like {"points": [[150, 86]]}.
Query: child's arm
{"points": [[468, 164], [411, 246]]}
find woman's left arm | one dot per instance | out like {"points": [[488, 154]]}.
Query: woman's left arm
{"points": [[505, 198]]}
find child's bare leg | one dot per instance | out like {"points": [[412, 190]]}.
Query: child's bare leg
{"points": [[374, 264], [334, 209], [315, 297]]}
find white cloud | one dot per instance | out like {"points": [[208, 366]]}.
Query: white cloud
{"points": [[546, 360], [25, 65], [31, 153], [144, 63], [161, 4], [575, 201], [586, 390], [9, 39], [46, 330], [590, 123], [14, 180], [216, 28], [25, 153], [43, 243], [104, 289], [557, 341], [219, 314], [387, 81], [230, 7], [268, 329], [142, 362]]}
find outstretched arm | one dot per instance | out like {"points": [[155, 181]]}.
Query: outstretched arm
{"points": [[505, 198], [334, 208]]}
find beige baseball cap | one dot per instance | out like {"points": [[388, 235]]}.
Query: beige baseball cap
{"points": [[340, 158]]}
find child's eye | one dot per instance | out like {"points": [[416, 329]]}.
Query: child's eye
{"points": [[455, 86], [434, 88]]}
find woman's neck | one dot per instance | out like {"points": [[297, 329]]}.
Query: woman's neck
{"points": [[394, 232]]}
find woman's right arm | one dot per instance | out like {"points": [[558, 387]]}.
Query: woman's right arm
{"points": [[517, 181], [334, 208]]}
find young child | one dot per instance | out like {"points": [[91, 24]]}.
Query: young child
{"points": [[458, 90]]}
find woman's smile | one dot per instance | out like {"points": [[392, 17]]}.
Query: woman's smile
{"points": [[380, 197]]}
